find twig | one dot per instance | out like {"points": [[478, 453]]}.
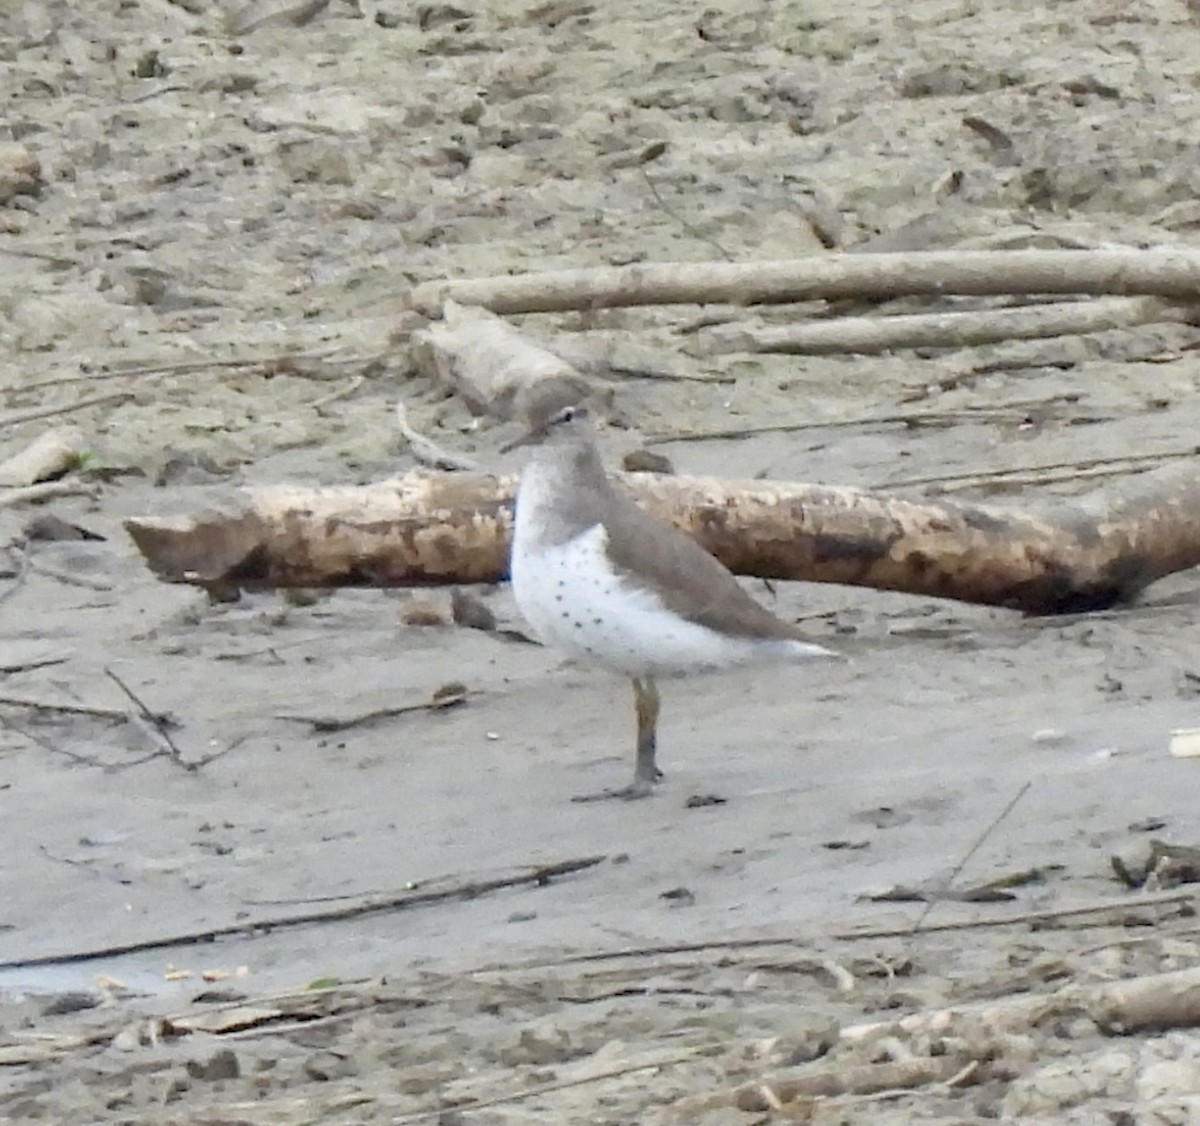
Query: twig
{"points": [[69, 579], [45, 490], [21, 558], [645, 952], [1172, 274], [440, 701], [1053, 471], [46, 745], [905, 418], [691, 228], [279, 360], [537, 876], [1027, 918], [956, 871], [34, 663], [426, 450], [547, 1088], [344, 392], [867, 335], [118, 714], [18, 417], [155, 720]]}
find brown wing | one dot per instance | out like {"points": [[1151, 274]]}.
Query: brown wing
{"points": [[690, 582]]}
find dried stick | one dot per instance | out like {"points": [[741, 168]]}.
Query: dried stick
{"points": [[157, 722], [18, 417], [1028, 918], [1051, 471], [947, 330], [426, 450], [442, 699], [548, 1088], [1014, 410], [536, 876], [278, 361], [1172, 274], [45, 490], [344, 392], [976, 845], [66, 709]]}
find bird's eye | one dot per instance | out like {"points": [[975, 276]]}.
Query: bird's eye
{"points": [[567, 414]]}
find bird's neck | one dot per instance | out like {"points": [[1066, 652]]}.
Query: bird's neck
{"points": [[562, 492]]}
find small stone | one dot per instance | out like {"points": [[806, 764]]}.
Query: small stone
{"points": [[420, 613], [537, 1049], [221, 1065], [646, 461], [73, 1002], [472, 612], [325, 1066], [20, 172]]}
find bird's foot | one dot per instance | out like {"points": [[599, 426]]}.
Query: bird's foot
{"points": [[638, 788]]}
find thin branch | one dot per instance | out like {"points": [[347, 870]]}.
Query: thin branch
{"points": [[1028, 918], [537, 876], [277, 360], [446, 697], [548, 1088], [21, 557], [46, 745], [46, 490], [117, 714], [1058, 471], [17, 417], [69, 579], [426, 450], [983, 412], [978, 843], [155, 720], [691, 228], [344, 392]]}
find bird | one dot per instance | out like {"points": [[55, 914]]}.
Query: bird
{"points": [[595, 575]]}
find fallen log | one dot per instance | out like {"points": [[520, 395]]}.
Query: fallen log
{"points": [[440, 528], [493, 368], [1172, 274]]}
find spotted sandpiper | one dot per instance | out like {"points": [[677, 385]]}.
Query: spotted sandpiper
{"points": [[597, 576]]}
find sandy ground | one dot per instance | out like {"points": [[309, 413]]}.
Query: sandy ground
{"points": [[225, 229]]}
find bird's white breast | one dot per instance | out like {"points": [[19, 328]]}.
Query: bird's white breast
{"points": [[574, 600]]}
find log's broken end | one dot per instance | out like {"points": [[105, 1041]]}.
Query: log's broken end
{"points": [[210, 549]]}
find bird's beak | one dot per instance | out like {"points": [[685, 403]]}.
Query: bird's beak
{"points": [[529, 438]]}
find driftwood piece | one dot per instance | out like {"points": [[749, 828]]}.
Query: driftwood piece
{"points": [[945, 330], [51, 454], [432, 529], [1172, 274], [1151, 1003], [967, 1036], [494, 368]]}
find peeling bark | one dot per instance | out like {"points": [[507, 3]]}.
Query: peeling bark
{"points": [[441, 528]]}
